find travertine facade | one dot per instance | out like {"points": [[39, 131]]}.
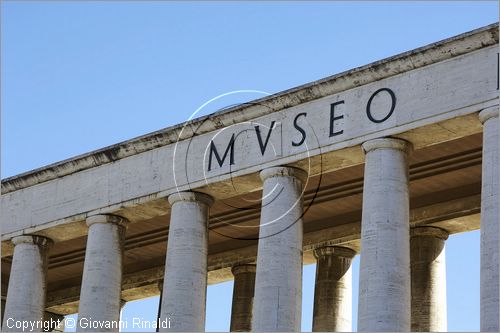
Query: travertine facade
{"points": [[384, 161]]}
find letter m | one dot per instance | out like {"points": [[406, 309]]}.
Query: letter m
{"points": [[213, 151]]}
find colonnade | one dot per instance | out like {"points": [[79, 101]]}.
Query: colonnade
{"points": [[402, 283]]}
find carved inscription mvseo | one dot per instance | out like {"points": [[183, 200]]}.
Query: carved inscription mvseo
{"points": [[224, 152]]}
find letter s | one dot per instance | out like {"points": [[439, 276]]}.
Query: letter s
{"points": [[300, 129]]}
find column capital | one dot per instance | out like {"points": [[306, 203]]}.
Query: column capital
{"points": [[32, 239], [337, 251], [282, 171], [488, 113], [387, 143], [429, 232], [243, 268], [190, 196], [114, 219]]}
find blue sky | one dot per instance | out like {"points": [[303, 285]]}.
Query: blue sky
{"points": [[77, 76]]}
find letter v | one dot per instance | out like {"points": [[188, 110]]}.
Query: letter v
{"points": [[263, 146]]}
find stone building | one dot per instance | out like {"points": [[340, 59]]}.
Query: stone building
{"points": [[384, 161]]}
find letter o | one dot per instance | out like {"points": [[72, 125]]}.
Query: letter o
{"points": [[393, 105]]}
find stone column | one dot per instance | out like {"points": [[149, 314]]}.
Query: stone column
{"points": [[384, 282], [185, 281], [489, 222], [333, 290], [243, 292], [100, 296], [27, 282], [428, 279], [278, 281]]}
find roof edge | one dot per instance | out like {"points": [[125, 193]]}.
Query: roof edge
{"points": [[432, 53]]}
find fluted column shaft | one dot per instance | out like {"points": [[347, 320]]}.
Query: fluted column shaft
{"points": [[27, 282], [278, 281], [185, 281], [428, 279], [384, 283], [333, 290], [490, 230], [100, 296], [243, 293]]}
